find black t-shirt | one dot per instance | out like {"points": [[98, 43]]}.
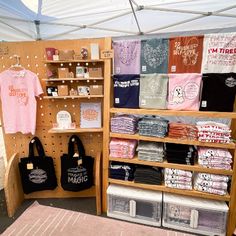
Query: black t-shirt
{"points": [[126, 91], [218, 92]]}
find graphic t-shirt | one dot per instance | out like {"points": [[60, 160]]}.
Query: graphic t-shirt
{"points": [[17, 91], [127, 56], [153, 91], [219, 53], [218, 92], [126, 91], [154, 56], [185, 54], [184, 91]]}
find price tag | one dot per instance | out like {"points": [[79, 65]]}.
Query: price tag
{"points": [[107, 54], [30, 166]]}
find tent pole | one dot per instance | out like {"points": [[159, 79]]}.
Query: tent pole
{"points": [[135, 17], [37, 26]]}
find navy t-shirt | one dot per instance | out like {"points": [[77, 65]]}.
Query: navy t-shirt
{"points": [[218, 92], [126, 91]]}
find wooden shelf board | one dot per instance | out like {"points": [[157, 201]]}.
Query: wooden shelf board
{"points": [[72, 61], [72, 97], [213, 114], [163, 188], [77, 130], [173, 140], [72, 79], [165, 164]]}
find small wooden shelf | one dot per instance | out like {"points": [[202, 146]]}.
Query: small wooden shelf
{"points": [[165, 164], [73, 97], [213, 114], [173, 140], [72, 79], [72, 61], [163, 188], [77, 130]]}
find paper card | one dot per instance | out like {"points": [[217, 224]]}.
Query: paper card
{"points": [[30, 166]]}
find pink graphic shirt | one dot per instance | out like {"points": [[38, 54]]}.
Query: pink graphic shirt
{"points": [[17, 91], [184, 91]]}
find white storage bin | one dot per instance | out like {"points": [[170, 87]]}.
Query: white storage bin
{"points": [[136, 205], [197, 215]]}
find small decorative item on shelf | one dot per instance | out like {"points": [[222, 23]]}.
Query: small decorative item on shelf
{"points": [[83, 90], [51, 73], [49, 53], [66, 55], [52, 90], [84, 53], [77, 56], [56, 56], [71, 75], [96, 89], [63, 90], [95, 72], [94, 51], [73, 92], [63, 72], [64, 121], [80, 70]]}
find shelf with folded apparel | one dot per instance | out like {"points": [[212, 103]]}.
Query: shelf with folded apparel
{"points": [[163, 188], [165, 164], [212, 114], [72, 61], [76, 130], [72, 79], [74, 96]]}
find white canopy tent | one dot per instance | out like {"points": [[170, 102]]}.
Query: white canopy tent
{"points": [[22, 20]]}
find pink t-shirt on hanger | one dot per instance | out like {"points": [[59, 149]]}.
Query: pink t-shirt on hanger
{"points": [[17, 91], [184, 91]]}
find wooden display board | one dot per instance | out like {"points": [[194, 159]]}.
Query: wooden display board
{"points": [[32, 57]]}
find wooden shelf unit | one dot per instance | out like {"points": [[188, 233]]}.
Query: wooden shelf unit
{"points": [[72, 61], [72, 79], [77, 130], [192, 193], [73, 97]]}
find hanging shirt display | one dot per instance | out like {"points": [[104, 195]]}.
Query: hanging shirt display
{"points": [[153, 91], [154, 56], [127, 57], [18, 90], [218, 92], [219, 53], [126, 91], [185, 54], [184, 91]]}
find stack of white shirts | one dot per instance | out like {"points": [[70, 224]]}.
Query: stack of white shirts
{"points": [[150, 151], [210, 183], [181, 179], [215, 158], [122, 148], [214, 132]]}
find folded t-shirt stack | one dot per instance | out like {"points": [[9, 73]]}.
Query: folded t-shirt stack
{"points": [[153, 126], [210, 183], [121, 171], [122, 148], [214, 132], [215, 158], [150, 151], [180, 153], [148, 175], [180, 179], [182, 131], [126, 124]]}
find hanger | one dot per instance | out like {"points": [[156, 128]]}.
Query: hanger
{"points": [[17, 66]]}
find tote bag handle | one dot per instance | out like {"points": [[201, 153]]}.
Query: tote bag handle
{"points": [[74, 139], [39, 147]]}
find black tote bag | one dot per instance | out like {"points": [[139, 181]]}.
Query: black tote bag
{"points": [[37, 172], [76, 171]]}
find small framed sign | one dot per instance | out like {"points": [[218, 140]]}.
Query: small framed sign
{"points": [[105, 54]]}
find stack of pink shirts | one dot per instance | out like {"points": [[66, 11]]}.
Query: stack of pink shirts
{"points": [[213, 132], [122, 148], [210, 183], [215, 158], [180, 179]]}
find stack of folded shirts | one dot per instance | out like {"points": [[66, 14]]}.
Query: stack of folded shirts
{"points": [[126, 124], [215, 184], [214, 132], [121, 171], [150, 151], [180, 179], [153, 126], [215, 158], [180, 153], [182, 131], [122, 148], [148, 175]]}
